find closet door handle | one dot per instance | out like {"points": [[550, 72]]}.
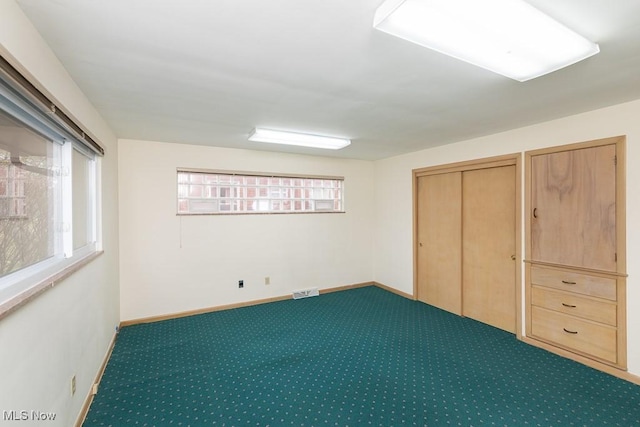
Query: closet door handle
{"points": [[569, 305], [535, 212], [566, 282], [570, 332]]}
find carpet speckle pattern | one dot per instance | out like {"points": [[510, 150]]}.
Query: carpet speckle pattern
{"points": [[362, 357]]}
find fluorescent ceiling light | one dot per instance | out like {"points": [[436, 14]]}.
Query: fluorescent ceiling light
{"points": [[508, 37], [301, 139]]}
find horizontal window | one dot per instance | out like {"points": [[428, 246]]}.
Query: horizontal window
{"points": [[234, 193]]}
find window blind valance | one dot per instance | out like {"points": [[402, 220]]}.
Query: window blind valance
{"points": [[24, 96]]}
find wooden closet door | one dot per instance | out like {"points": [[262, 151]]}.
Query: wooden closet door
{"points": [[439, 255], [488, 236], [573, 199]]}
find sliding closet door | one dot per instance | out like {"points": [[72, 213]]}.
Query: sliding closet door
{"points": [[488, 254], [439, 252]]}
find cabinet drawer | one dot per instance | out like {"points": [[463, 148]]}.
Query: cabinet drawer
{"points": [[574, 333], [575, 305], [601, 287]]}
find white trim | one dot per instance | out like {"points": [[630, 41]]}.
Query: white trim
{"points": [[98, 204], [66, 180]]}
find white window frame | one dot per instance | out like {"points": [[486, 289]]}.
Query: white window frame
{"points": [[64, 253], [251, 193]]}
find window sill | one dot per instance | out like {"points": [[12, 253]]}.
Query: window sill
{"points": [[13, 303]]}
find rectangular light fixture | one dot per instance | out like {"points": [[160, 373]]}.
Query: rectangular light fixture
{"points": [[508, 37], [300, 139]]}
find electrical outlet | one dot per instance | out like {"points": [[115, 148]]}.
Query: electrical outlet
{"points": [[267, 280], [73, 385], [240, 284]]}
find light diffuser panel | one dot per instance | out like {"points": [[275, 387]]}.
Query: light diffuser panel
{"points": [[508, 37]]}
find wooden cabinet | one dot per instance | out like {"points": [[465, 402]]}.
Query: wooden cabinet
{"points": [[578, 311], [575, 249], [466, 240]]}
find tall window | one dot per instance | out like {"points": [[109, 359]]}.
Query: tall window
{"points": [[242, 193], [47, 194]]}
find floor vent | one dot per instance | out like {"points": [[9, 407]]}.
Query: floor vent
{"points": [[306, 293]]}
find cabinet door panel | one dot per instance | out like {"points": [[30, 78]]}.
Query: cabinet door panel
{"points": [[489, 227], [573, 208], [439, 241]]}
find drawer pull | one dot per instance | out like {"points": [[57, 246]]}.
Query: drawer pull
{"points": [[570, 332], [569, 305], [566, 282]]}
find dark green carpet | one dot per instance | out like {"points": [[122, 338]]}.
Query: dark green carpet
{"points": [[354, 358]]}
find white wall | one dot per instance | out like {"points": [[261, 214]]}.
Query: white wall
{"points": [[171, 264], [393, 254], [66, 330]]}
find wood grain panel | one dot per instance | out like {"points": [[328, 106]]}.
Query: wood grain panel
{"points": [[439, 258], [489, 227], [602, 287], [573, 202], [575, 305], [576, 334]]}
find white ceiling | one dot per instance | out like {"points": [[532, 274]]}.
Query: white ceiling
{"points": [[208, 71]]}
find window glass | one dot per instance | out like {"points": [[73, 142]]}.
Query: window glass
{"points": [[244, 194], [27, 196]]}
